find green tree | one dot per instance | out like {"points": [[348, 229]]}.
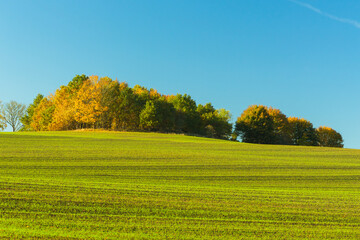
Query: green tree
{"points": [[110, 92], [207, 115], [328, 137], [302, 132], [148, 117], [129, 109], [223, 126], [158, 115], [187, 118], [75, 84], [27, 118], [214, 123], [255, 125], [166, 114], [12, 113]]}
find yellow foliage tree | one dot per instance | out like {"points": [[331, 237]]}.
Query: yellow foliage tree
{"points": [[141, 91], [64, 112], [154, 94], [42, 116], [87, 103]]}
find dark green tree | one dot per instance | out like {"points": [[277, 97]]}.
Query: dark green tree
{"points": [[255, 125], [328, 137], [110, 94], [302, 132], [281, 126], [214, 123], [158, 115], [223, 126], [187, 118], [128, 109]]}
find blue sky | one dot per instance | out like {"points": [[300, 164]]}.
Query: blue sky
{"points": [[299, 56]]}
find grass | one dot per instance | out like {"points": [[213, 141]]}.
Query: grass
{"points": [[107, 185]]}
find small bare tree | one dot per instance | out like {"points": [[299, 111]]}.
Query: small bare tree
{"points": [[2, 120], [11, 114]]}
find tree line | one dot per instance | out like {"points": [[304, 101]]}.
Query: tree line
{"points": [[267, 125], [103, 103]]}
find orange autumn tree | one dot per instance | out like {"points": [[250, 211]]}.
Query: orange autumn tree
{"points": [[87, 103]]}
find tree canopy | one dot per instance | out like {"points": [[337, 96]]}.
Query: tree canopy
{"points": [[93, 102]]}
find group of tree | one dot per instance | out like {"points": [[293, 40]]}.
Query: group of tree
{"points": [[267, 125], [93, 102]]}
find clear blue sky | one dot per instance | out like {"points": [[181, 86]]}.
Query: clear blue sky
{"points": [[300, 57]]}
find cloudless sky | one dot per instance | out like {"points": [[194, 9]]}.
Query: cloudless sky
{"points": [[300, 58]]}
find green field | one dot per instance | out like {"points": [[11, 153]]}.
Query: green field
{"points": [[108, 185]]}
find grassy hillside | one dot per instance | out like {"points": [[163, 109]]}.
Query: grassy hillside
{"points": [[106, 185]]}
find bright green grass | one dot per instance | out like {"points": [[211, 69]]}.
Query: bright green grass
{"points": [[106, 185]]}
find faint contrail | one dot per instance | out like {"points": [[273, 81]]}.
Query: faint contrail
{"points": [[339, 19]]}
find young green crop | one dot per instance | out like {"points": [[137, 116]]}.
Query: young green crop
{"points": [[110, 185]]}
